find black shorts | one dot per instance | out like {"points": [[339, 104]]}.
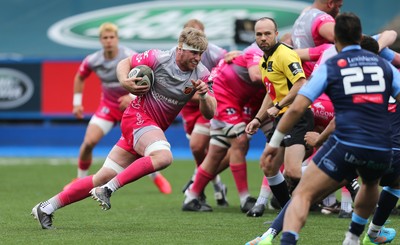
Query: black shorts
{"points": [[341, 161], [296, 134]]}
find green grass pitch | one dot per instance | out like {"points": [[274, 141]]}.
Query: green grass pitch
{"points": [[139, 214]]}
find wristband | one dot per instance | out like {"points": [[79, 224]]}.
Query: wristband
{"points": [[258, 119], [77, 100], [276, 139], [203, 96], [277, 106]]}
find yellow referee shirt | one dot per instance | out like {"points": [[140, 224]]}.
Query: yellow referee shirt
{"points": [[280, 70]]}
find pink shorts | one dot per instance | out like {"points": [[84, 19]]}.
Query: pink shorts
{"points": [[191, 116], [108, 112], [133, 120], [323, 112]]}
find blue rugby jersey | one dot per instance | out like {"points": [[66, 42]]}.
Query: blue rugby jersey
{"points": [[359, 83]]}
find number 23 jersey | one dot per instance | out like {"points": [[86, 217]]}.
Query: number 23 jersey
{"points": [[359, 84]]}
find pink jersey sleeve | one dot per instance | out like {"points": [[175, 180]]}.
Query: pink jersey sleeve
{"points": [[146, 58], [253, 57], [316, 25], [84, 68]]}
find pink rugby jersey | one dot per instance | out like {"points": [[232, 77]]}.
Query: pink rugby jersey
{"points": [[232, 81]]}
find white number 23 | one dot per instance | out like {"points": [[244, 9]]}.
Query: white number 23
{"points": [[355, 75]]}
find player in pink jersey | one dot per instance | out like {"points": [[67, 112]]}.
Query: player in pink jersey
{"points": [[143, 147], [234, 85], [315, 27], [114, 99]]}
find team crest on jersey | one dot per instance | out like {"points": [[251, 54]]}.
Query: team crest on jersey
{"points": [[295, 68], [187, 90]]}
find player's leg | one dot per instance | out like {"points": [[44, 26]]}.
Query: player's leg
{"points": [[314, 184], [95, 131], [275, 177], [368, 194], [80, 189], [238, 166], [149, 142], [221, 136], [262, 200], [205, 173], [388, 199]]}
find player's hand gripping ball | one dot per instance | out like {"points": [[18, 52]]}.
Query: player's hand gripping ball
{"points": [[145, 72]]}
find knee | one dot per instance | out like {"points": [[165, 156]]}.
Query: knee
{"points": [[197, 148], [89, 144], [161, 159]]}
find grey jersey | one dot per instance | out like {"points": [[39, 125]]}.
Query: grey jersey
{"points": [[212, 56], [105, 70], [302, 36]]}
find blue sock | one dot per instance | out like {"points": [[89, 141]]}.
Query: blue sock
{"points": [[357, 224], [289, 238], [277, 224]]}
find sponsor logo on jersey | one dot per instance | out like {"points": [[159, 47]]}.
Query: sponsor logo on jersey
{"points": [[157, 24], [16, 88], [342, 63]]}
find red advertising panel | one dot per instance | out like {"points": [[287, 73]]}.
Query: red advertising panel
{"points": [[57, 88]]}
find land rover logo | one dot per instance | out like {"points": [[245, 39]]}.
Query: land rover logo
{"points": [[16, 88], [157, 24]]}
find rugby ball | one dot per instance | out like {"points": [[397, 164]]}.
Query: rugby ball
{"points": [[145, 72]]}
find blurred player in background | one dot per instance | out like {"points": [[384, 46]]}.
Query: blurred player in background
{"points": [[197, 127], [234, 85], [114, 99], [315, 27]]}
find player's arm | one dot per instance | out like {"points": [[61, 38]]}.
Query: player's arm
{"points": [[231, 55], [327, 31], [255, 73], [123, 68], [207, 102], [312, 54], [316, 140], [79, 83], [396, 84], [288, 99], [261, 116], [386, 38], [286, 39]]}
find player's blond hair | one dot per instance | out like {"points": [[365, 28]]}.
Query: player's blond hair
{"points": [[195, 23], [193, 37], [108, 26]]}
